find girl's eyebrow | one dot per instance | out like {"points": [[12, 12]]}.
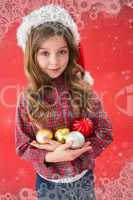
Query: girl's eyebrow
{"points": [[48, 48], [63, 47]]}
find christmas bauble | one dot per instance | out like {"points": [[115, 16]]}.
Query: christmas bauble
{"points": [[77, 138], [85, 126], [60, 134], [44, 134]]}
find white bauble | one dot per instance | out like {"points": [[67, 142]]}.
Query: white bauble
{"points": [[77, 138]]}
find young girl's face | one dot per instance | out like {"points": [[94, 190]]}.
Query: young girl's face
{"points": [[53, 56]]}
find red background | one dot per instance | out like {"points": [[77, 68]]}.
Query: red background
{"points": [[108, 54]]}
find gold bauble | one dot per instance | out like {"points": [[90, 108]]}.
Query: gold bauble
{"points": [[61, 134], [44, 134]]}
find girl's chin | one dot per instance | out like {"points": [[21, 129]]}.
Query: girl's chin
{"points": [[54, 75]]}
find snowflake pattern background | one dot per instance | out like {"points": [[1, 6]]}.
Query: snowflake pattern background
{"points": [[118, 185], [109, 189], [13, 10]]}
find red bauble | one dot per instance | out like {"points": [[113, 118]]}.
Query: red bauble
{"points": [[84, 125]]}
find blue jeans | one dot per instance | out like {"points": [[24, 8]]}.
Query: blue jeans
{"points": [[83, 189]]}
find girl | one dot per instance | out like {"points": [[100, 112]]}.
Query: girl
{"points": [[56, 95]]}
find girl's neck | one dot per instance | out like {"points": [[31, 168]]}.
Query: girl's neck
{"points": [[59, 80]]}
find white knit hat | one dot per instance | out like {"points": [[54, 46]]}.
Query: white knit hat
{"points": [[44, 14]]}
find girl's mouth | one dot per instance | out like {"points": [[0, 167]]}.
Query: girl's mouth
{"points": [[54, 69]]}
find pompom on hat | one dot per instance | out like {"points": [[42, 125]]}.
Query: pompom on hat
{"points": [[48, 13]]}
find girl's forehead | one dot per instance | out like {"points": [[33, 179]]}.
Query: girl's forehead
{"points": [[54, 41]]}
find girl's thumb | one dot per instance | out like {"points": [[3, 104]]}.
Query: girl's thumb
{"points": [[67, 145]]}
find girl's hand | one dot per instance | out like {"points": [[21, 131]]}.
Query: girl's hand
{"points": [[50, 145], [64, 153]]}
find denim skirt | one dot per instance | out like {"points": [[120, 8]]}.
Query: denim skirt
{"points": [[82, 189]]}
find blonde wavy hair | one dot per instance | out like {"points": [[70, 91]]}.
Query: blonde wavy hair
{"points": [[80, 90]]}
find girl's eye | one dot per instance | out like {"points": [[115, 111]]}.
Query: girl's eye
{"points": [[45, 53], [62, 52]]}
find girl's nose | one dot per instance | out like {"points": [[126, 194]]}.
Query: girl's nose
{"points": [[53, 60]]}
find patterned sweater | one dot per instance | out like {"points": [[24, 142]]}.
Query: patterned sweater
{"points": [[61, 115]]}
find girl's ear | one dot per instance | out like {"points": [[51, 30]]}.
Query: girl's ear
{"points": [[88, 78]]}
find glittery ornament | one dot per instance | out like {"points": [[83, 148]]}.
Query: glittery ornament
{"points": [[77, 138], [44, 134], [60, 134]]}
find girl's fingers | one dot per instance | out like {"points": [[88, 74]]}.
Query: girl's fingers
{"points": [[46, 147], [46, 141], [53, 142], [88, 148], [66, 146], [33, 142], [34, 145], [83, 150], [87, 144], [49, 146]]}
